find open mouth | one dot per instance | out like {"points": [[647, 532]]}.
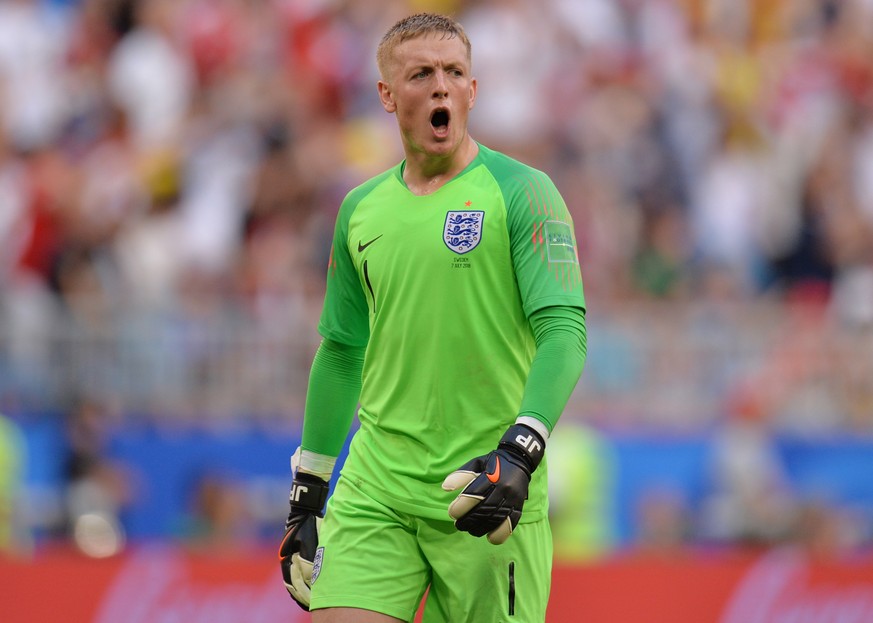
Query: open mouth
{"points": [[439, 120]]}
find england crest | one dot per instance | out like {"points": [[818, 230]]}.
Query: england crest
{"points": [[463, 230], [316, 564]]}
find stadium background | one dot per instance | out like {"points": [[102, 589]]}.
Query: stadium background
{"points": [[169, 175]]}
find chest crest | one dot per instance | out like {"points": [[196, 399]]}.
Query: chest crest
{"points": [[462, 230]]}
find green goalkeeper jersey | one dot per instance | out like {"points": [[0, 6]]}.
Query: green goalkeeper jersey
{"points": [[439, 289]]}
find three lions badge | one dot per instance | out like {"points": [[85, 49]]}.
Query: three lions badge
{"points": [[463, 230]]}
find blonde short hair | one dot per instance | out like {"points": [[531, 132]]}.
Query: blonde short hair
{"points": [[416, 26]]}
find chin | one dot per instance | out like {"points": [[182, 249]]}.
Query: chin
{"points": [[443, 144], [431, 145]]}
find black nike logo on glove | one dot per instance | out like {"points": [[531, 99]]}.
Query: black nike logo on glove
{"points": [[361, 247]]}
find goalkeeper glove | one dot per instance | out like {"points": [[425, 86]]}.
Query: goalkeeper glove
{"points": [[494, 486], [297, 552]]}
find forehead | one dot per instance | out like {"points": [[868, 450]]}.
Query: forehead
{"points": [[431, 48]]}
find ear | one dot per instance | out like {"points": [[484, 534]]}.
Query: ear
{"points": [[472, 100], [386, 97]]}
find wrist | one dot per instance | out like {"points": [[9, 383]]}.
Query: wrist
{"points": [[536, 424], [525, 443], [308, 493], [321, 465]]}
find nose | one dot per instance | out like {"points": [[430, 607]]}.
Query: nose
{"points": [[440, 90]]}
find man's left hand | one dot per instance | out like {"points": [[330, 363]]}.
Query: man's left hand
{"points": [[494, 486], [297, 552]]}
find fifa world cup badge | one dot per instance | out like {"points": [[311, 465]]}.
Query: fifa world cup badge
{"points": [[316, 564]]}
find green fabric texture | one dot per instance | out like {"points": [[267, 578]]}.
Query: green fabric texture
{"points": [[440, 290], [334, 388], [562, 346]]}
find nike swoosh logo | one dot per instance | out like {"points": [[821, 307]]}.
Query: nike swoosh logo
{"points": [[361, 247], [282, 546], [495, 475]]}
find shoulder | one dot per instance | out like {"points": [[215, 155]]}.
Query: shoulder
{"points": [[360, 192], [512, 175], [524, 188]]}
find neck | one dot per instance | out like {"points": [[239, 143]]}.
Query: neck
{"points": [[425, 174]]}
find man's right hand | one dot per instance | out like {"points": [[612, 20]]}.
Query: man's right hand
{"points": [[297, 552]]}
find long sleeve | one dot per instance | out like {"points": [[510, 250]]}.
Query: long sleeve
{"points": [[561, 339], [332, 396]]}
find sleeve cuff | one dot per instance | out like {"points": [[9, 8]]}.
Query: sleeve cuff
{"points": [[309, 462], [535, 424]]}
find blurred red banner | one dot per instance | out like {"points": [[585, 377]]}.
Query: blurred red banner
{"points": [[148, 585], [162, 584], [778, 586]]}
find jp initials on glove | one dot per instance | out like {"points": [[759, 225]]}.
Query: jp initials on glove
{"points": [[494, 486], [297, 552]]}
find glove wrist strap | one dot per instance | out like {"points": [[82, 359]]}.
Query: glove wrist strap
{"points": [[525, 442], [308, 493]]}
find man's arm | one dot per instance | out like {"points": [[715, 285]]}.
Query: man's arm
{"points": [[334, 389], [562, 347], [494, 486], [331, 399]]}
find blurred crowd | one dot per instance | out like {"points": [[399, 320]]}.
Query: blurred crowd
{"points": [[170, 171]]}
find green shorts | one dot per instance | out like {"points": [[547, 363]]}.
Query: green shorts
{"points": [[375, 558]]}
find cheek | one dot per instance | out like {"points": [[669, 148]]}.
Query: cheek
{"points": [[406, 113], [409, 108]]}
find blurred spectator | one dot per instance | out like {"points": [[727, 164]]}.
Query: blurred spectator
{"points": [[220, 521], [509, 36], [581, 474], [15, 537], [664, 523], [14, 197], [660, 266], [97, 488], [727, 207], [151, 77], [829, 532], [33, 98], [750, 501]]}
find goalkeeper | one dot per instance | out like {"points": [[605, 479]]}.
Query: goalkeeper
{"points": [[454, 316]]}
